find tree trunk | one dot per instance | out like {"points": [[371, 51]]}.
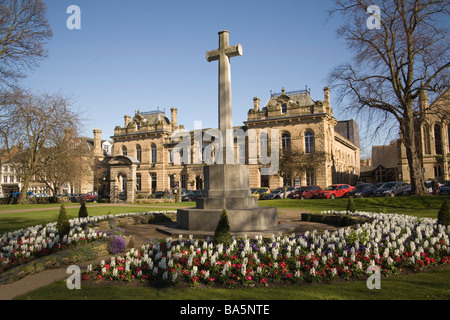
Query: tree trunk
{"points": [[414, 164], [23, 191]]}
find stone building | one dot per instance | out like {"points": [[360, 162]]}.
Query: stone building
{"points": [[145, 155], [432, 128], [433, 139]]}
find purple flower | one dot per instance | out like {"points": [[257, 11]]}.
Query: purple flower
{"points": [[116, 245]]}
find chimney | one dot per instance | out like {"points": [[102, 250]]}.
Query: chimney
{"points": [[326, 102], [256, 102], [174, 113], [127, 121], [98, 143]]}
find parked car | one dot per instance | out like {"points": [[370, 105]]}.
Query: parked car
{"points": [[444, 189], [40, 195], [307, 192], [91, 197], [391, 189], [428, 186], [259, 193], [278, 193], [296, 194], [197, 194], [76, 197], [187, 195], [123, 196], [159, 194], [336, 191], [363, 190]]}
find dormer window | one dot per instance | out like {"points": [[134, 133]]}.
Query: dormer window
{"points": [[284, 108], [138, 126]]}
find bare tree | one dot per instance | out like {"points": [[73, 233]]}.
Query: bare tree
{"points": [[404, 53], [69, 161], [295, 163], [23, 30], [33, 128]]}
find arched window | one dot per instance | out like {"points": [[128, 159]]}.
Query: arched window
{"points": [[426, 139], [437, 139], [153, 153], [124, 151], [138, 182], [286, 141], [309, 142], [139, 153], [448, 137]]}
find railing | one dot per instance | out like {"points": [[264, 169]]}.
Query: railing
{"points": [[276, 95]]}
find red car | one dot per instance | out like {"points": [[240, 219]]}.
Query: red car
{"points": [[336, 191], [306, 192]]}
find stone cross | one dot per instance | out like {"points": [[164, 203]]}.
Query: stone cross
{"points": [[223, 54]]}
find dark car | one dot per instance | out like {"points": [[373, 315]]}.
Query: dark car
{"points": [[123, 196], [363, 190], [187, 195], [76, 197], [307, 192], [296, 194], [159, 194], [278, 193], [391, 189], [444, 189], [197, 194]]}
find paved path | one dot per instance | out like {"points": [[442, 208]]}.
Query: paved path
{"points": [[141, 234]]}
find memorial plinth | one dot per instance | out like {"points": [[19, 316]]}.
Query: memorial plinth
{"points": [[227, 187]]}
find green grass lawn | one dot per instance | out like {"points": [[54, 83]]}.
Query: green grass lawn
{"points": [[10, 222]]}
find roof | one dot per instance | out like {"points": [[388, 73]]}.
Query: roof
{"points": [[151, 118], [300, 98]]}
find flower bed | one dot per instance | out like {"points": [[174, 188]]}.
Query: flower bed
{"points": [[25, 245], [393, 243]]}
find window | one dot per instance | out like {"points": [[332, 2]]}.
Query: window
{"points": [[153, 182], [139, 153], [285, 141], [437, 139], [172, 182], [448, 137], [183, 181], [138, 126], [124, 151], [284, 108], [426, 139], [138, 182], [153, 153], [309, 142], [310, 178]]}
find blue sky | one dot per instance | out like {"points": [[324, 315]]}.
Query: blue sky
{"points": [[142, 54]]}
